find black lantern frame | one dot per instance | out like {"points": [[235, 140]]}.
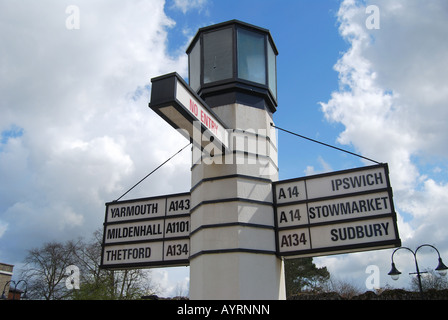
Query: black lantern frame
{"points": [[234, 62]]}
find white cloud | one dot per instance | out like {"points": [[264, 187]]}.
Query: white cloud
{"points": [[172, 283], [392, 103], [326, 167], [3, 227], [80, 100], [186, 5]]}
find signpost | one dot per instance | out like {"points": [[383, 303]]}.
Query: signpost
{"points": [[243, 224], [337, 212], [147, 232]]}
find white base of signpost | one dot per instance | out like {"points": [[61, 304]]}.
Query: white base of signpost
{"points": [[237, 276], [232, 237]]}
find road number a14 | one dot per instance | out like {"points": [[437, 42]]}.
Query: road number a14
{"points": [[290, 216], [291, 192]]}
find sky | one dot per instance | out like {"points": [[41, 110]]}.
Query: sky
{"points": [[76, 131]]}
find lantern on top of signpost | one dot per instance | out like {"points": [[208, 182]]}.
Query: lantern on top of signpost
{"points": [[234, 62]]}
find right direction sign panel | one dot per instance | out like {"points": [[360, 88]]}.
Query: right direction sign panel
{"points": [[337, 212]]}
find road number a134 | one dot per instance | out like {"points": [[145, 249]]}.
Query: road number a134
{"points": [[293, 240]]}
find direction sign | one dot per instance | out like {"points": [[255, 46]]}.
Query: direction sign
{"points": [[147, 232], [337, 212], [178, 104]]}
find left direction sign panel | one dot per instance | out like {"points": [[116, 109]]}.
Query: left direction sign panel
{"points": [[147, 232]]}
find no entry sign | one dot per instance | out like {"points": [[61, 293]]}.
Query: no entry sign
{"points": [[175, 101]]}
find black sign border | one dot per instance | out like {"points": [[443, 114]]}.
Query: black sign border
{"points": [[335, 249], [164, 263]]}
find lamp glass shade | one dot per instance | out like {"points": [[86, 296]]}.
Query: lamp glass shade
{"points": [[251, 56], [441, 268], [394, 273], [218, 55], [195, 66], [25, 296]]}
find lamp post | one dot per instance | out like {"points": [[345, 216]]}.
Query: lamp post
{"points": [[395, 274], [4, 297]]}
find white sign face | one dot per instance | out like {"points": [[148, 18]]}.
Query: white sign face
{"points": [[177, 227], [200, 113], [340, 237], [330, 185], [353, 233], [178, 104], [353, 207], [136, 231], [147, 232], [294, 240], [136, 210], [176, 250], [288, 192], [347, 183], [178, 205], [132, 254], [339, 212]]}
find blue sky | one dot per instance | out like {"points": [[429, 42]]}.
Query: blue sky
{"points": [[304, 32], [76, 131]]}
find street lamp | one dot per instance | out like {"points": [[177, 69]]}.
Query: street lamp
{"points": [[441, 268], [4, 297]]}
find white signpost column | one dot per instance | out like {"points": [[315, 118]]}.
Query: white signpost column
{"points": [[233, 252], [232, 237], [226, 112]]}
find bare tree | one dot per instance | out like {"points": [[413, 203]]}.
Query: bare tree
{"points": [[45, 270], [345, 289], [430, 280], [97, 283]]}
